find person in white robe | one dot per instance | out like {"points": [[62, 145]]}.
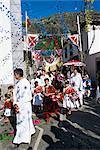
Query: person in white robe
{"points": [[78, 84], [23, 108]]}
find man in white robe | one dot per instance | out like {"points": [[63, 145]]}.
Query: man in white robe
{"points": [[78, 84], [22, 104]]}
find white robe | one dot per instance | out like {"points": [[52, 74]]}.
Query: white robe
{"points": [[24, 125], [77, 79]]}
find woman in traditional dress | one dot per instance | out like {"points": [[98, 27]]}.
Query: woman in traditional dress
{"points": [[37, 97], [7, 108], [77, 80], [71, 99], [49, 91]]}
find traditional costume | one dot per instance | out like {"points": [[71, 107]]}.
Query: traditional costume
{"points": [[7, 107], [78, 86], [33, 83], [22, 101], [37, 96], [50, 104], [71, 99]]}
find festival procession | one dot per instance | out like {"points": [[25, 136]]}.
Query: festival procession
{"points": [[49, 75]]}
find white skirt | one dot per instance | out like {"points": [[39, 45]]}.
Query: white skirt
{"points": [[68, 103], [7, 112]]}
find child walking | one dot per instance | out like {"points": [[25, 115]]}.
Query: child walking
{"points": [[7, 107]]}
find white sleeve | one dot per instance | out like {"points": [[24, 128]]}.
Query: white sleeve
{"points": [[14, 96]]}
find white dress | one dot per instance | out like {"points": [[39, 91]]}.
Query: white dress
{"points": [[77, 79], [24, 125], [68, 103]]}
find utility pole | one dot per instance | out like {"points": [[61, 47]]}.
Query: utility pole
{"points": [[80, 40], [26, 57]]}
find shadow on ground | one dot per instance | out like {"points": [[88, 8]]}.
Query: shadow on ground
{"points": [[81, 131]]}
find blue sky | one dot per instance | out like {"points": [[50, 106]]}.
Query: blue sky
{"points": [[45, 8]]}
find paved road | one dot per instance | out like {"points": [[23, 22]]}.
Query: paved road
{"points": [[80, 131]]}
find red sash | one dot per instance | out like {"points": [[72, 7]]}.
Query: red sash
{"points": [[70, 90]]}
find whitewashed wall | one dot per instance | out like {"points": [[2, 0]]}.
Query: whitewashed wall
{"points": [[11, 48], [92, 39], [16, 29], [94, 35], [6, 66]]}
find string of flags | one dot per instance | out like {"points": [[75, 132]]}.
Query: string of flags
{"points": [[32, 42]]}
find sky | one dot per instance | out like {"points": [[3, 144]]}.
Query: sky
{"points": [[44, 8]]}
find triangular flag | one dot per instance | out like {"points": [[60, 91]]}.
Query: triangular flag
{"points": [[74, 39]]}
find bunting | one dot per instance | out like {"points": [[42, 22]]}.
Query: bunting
{"points": [[32, 40], [74, 39]]}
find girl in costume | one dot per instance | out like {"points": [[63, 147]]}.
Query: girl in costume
{"points": [[37, 97], [71, 99], [7, 107]]}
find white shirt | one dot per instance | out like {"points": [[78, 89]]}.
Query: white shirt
{"points": [[77, 79], [42, 78]]}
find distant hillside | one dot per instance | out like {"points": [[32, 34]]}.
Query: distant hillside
{"points": [[59, 23]]}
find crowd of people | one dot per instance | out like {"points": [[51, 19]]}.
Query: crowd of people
{"points": [[49, 92], [69, 87]]}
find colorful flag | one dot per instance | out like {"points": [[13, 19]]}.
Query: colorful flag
{"points": [[36, 55], [74, 38], [28, 21], [32, 39]]}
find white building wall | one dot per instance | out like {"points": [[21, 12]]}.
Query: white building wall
{"points": [[11, 48], [6, 65], [94, 40], [91, 42], [16, 29], [91, 64]]}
